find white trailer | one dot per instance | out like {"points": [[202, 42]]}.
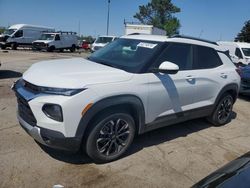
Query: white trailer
{"points": [[22, 35], [143, 29]]}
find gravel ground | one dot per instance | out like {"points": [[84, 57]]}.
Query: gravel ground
{"points": [[175, 156]]}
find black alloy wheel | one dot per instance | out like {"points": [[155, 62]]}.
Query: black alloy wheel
{"points": [[110, 137]]}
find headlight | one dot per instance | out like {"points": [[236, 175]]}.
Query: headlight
{"points": [[60, 91], [48, 90], [53, 111]]}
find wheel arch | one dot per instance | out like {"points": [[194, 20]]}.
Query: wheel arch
{"points": [[233, 89], [130, 103]]}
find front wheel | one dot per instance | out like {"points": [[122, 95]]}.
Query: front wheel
{"points": [[14, 46], [223, 111], [110, 137]]}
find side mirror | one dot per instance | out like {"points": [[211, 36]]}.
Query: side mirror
{"points": [[167, 68]]}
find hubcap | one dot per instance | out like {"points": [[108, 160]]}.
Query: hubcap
{"points": [[113, 137], [225, 110]]}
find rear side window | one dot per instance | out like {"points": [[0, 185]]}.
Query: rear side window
{"points": [[205, 58], [178, 53]]}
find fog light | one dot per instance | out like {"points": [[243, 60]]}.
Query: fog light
{"points": [[53, 111]]}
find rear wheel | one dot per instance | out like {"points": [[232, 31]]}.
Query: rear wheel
{"points": [[110, 137], [223, 111]]}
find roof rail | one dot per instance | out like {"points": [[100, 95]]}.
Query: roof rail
{"points": [[66, 32], [194, 38]]}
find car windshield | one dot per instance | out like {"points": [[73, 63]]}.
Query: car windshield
{"points": [[47, 37], [246, 51], [127, 54], [104, 39], [9, 31]]}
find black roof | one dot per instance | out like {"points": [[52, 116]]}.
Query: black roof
{"points": [[194, 38]]}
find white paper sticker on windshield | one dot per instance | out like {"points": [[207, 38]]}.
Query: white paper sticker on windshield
{"points": [[146, 45]]}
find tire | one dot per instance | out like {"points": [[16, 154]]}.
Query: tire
{"points": [[14, 46], [223, 112], [3, 47], [73, 48], [51, 49], [110, 137]]}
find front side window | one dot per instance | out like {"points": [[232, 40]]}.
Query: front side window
{"points": [[205, 58], [127, 54], [246, 51], [238, 53], [179, 54], [57, 37], [19, 33]]}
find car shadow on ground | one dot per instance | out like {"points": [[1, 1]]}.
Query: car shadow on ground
{"points": [[4, 74], [151, 138], [244, 97]]}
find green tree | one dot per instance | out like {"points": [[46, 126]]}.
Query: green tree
{"points": [[244, 34], [159, 13]]}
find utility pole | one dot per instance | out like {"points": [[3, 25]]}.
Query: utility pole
{"points": [[108, 18]]}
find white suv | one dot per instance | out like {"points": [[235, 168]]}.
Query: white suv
{"points": [[136, 84]]}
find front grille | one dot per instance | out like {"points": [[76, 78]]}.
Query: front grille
{"points": [[39, 44], [24, 111]]}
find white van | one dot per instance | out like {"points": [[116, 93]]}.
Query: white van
{"points": [[239, 51], [22, 35], [56, 41], [102, 41]]}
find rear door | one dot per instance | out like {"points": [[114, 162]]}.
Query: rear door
{"points": [[209, 75]]}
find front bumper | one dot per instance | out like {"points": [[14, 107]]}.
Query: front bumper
{"points": [[39, 46], [51, 138], [39, 126]]}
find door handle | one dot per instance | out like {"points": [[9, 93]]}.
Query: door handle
{"points": [[223, 75], [189, 78]]}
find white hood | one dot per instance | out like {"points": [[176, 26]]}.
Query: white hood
{"points": [[44, 41], [73, 73]]}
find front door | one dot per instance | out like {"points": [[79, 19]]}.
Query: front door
{"points": [[171, 93]]}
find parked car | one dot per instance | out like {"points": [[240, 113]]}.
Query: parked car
{"points": [[239, 52], [244, 72], [135, 84], [233, 174], [86, 45], [102, 41], [22, 35], [56, 41]]}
